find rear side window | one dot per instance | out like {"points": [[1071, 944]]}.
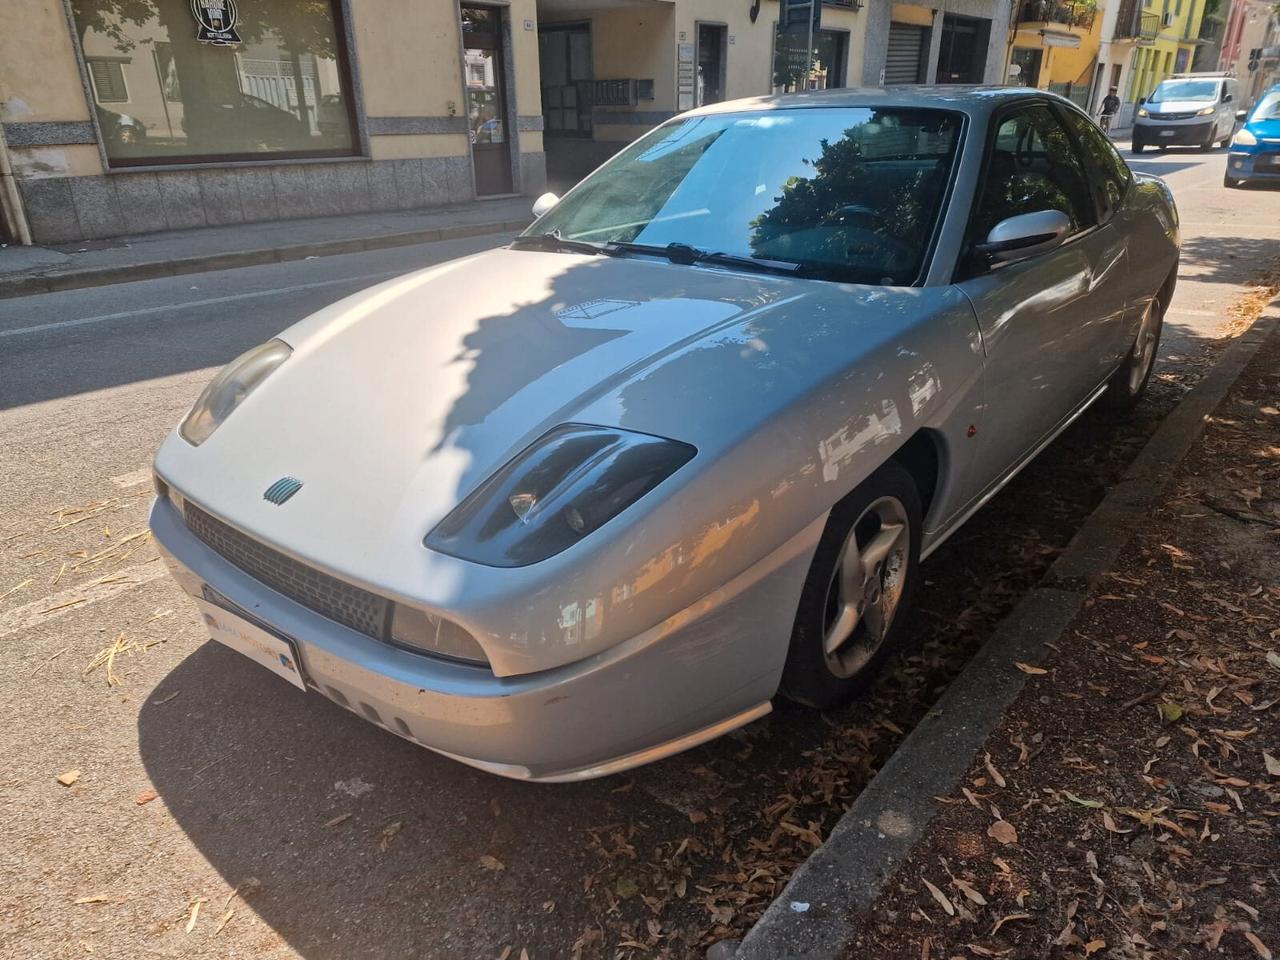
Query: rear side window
{"points": [[1032, 166], [1108, 171]]}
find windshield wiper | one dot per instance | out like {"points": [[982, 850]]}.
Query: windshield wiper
{"points": [[687, 255], [555, 244]]}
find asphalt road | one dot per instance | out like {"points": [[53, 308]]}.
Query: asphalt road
{"points": [[286, 827]]}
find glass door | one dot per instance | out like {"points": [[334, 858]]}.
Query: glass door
{"points": [[485, 80]]}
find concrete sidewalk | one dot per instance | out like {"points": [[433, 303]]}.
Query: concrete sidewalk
{"points": [[28, 270]]}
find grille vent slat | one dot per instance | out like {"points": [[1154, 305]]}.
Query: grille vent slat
{"points": [[328, 596]]}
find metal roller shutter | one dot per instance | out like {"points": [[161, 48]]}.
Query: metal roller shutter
{"points": [[906, 50]]}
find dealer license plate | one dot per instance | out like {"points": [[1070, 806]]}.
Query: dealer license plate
{"points": [[1167, 133], [275, 653]]}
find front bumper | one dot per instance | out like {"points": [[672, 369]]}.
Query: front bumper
{"points": [[1261, 165], [694, 676], [1172, 133]]}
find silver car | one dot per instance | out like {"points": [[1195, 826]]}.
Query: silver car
{"points": [[579, 503]]}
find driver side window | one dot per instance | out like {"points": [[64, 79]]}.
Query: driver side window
{"points": [[1032, 166]]}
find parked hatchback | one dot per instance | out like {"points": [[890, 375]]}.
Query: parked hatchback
{"points": [[1187, 110], [1255, 150]]}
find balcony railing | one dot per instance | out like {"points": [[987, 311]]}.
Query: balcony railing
{"points": [[1079, 13], [1133, 24]]}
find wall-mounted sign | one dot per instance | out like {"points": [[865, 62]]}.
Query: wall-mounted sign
{"points": [[686, 76], [217, 21]]}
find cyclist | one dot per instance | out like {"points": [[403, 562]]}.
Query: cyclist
{"points": [[1110, 104]]}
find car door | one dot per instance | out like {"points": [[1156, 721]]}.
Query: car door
{"points": [[1049, 322], [1121, 291]]}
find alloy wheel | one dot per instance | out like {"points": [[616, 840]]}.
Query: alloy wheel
{"points": [[1144, 348], [866, 589]]}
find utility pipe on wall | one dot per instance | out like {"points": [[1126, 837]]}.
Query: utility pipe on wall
{"points": [[10, 200]]}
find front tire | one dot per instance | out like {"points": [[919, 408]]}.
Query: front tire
{"points": [[1129, 382], [1137, 146], [1208, 144], [1229, 181], [859, 587]]}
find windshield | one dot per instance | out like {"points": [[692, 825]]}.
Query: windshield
{"points": [[846, 193], [1198, 90], [1268, 108]]}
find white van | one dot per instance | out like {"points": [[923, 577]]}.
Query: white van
{"points": [[1188, 109]]}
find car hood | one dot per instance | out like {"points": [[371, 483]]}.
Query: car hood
{"points": [[1268, 130], [1178, 106], [400, 400]]}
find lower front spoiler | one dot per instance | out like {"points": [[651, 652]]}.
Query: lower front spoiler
{"points": [[1172, 135], [1258, 167], [693, 677]]}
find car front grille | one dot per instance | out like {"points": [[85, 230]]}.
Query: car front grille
{"points": [[1171, 116], [328, 596]]}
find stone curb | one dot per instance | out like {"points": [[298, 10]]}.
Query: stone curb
{"points": [[21, 285], [811, 920]]}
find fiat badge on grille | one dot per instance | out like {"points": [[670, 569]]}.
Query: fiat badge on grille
{"points": [[282, 490]]}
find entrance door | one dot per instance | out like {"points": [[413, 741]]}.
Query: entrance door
{"points": [[1027, 60], [962, 57], [712, 39], [486, 81]]}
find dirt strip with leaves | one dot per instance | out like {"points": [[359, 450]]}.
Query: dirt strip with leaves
{"points": [[1128, 806]]}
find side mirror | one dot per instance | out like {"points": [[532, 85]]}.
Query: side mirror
{"points": [[1142, 99], [1227, 98], [1242, 116], [544, 203], [1026, 235]]}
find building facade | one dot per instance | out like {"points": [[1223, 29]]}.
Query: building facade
{"points": [[967, 42], [1169, 51], [611, 69], [1055, 47], [1251, 47], [130, 116]]}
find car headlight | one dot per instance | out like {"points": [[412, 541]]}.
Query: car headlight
{"points": [[432, 634], [1206, 112], [228, 389], [1142, 112], [567, 483], [1244, 138]]}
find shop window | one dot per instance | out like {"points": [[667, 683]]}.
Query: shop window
{"points": [[176, 81], [827, 66]]}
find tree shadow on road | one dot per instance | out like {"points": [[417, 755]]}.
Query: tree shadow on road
{"points": [[1228, 259]]}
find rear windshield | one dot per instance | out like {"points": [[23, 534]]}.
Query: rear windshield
{"points": [[849, 193], [1175, 90]]}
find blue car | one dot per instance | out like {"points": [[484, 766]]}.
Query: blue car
{"points": [[1255, 149]]}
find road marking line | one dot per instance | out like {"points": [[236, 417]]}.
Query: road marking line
{"points": [[77, 598], [208, 301], [132, 479]]}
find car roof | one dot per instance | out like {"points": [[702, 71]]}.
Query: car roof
{"points": [[971, 99]]}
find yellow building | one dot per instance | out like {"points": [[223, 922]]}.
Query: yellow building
{"points": [[1176, 26], [1055, 47]]}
